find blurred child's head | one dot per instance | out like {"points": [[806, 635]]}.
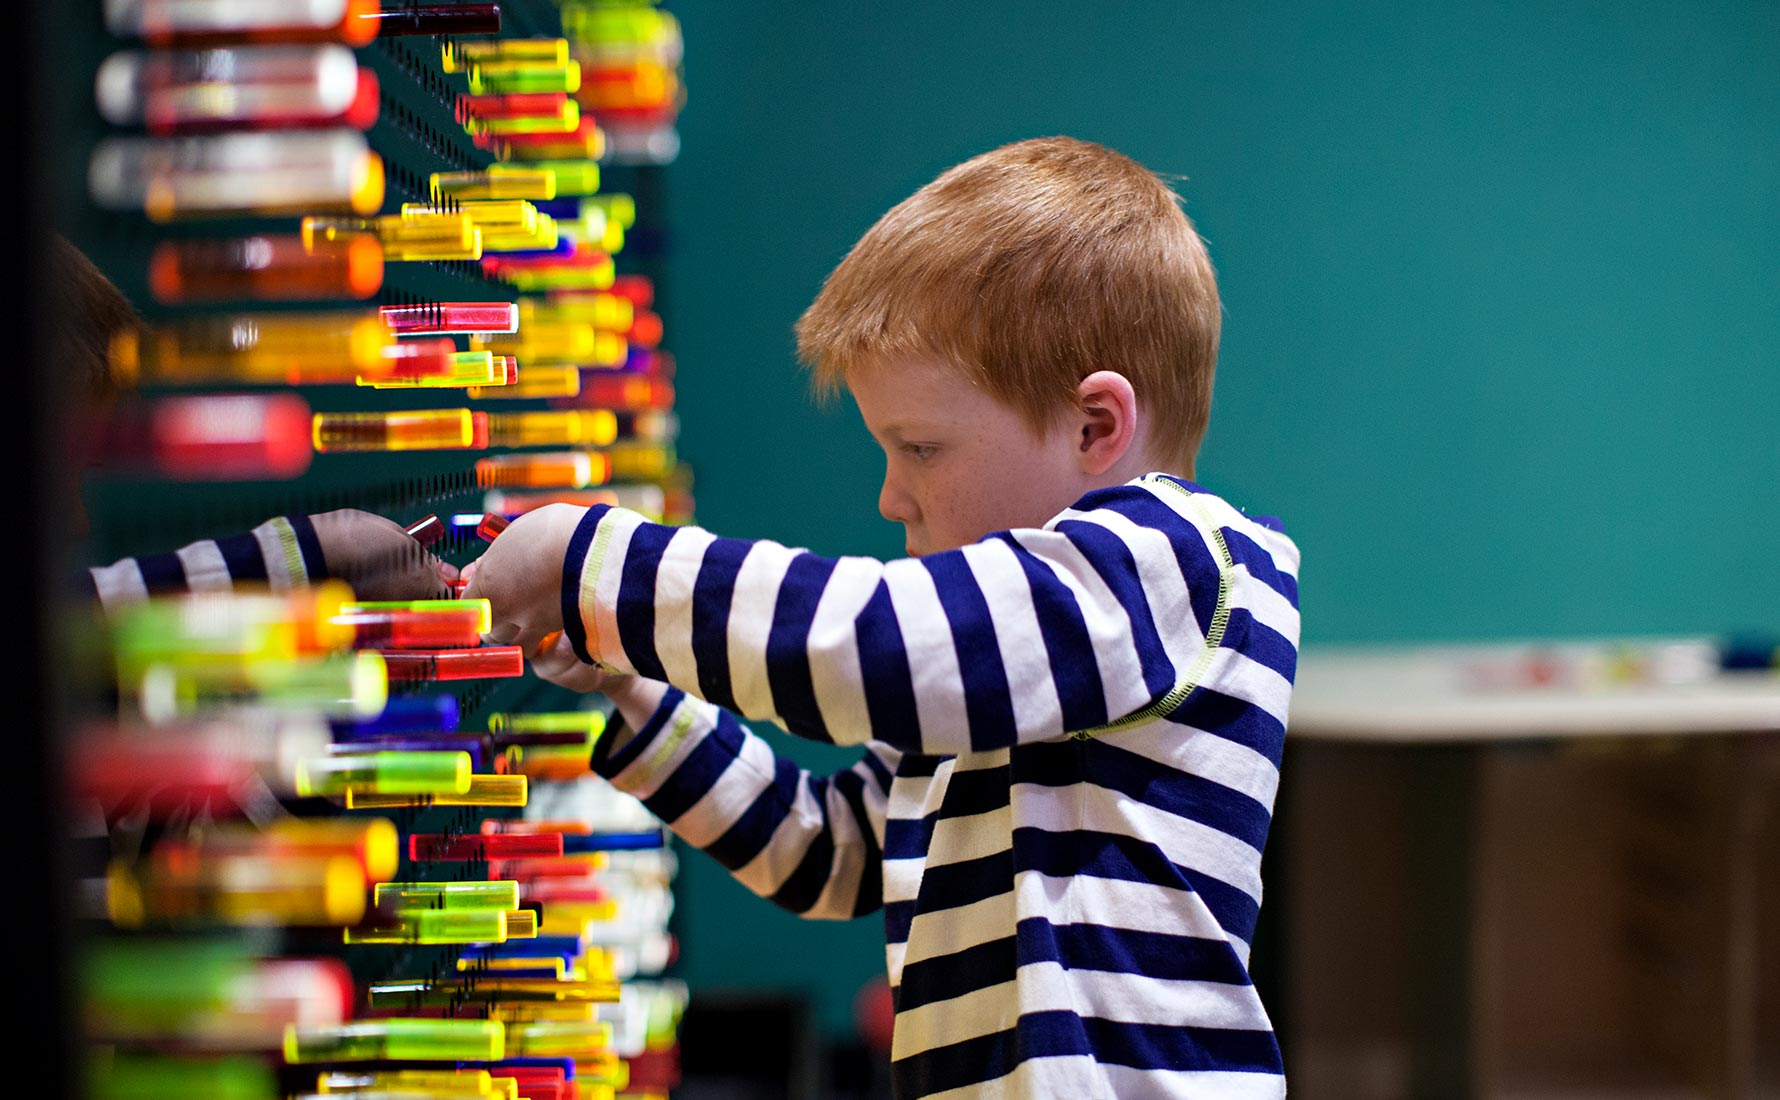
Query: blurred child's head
{"points": [[1038, 321], [89, 311]]}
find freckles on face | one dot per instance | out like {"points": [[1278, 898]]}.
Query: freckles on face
{"points": [[959, 464]]}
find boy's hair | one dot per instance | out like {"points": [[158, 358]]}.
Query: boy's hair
{"points": [[1030, 267], [92, 311]]}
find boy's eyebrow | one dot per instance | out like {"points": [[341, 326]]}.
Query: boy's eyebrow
{"points": [[904, 426], [903, 433]]}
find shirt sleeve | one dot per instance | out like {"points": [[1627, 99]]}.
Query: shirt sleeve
{"points": [[812, 844], [1104, 615], [282, 553]]}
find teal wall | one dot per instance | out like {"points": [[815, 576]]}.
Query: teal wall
{"points": [[1501, 281]]}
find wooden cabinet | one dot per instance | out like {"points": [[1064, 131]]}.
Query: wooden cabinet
{"points": [[1552, 911]]}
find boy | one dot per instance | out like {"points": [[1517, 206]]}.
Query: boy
{"points": [[1072, 695]]}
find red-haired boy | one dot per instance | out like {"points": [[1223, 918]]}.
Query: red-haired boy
{"points": [[1072, 694]]}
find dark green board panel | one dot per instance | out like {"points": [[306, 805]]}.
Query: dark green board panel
{"points": [[131, 513], [1501, 287]]}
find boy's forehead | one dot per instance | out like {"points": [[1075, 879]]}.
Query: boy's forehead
{"points": [[894, 390], [912, 376]]}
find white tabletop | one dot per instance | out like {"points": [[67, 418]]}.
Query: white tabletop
{"points": [[1513, 691]]}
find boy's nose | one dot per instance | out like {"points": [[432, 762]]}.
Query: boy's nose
{"points": [[895, 505]]}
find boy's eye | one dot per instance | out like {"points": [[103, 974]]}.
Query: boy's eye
{"points": [[921, 451]]}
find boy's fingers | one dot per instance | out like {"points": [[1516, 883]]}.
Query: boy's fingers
{"points": [[442, 573], [556, 662], [470, 575], [527, 640], [423, 577], [547, 657], [501, 633]]}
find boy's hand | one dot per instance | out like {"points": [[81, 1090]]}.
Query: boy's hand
{"points": [[554, 660], [520, 575], [378, 558]]}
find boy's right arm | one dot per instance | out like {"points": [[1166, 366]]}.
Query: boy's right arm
{"points": [[812, 844], [1116, 610]]}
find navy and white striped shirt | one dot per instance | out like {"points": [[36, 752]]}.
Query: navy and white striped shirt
{"points": [[281, 553], [1072, 736]]}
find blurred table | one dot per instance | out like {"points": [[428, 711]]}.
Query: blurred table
{"points": [[1537, 870]]}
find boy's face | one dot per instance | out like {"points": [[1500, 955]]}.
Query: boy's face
{"points": [[958, 464]]}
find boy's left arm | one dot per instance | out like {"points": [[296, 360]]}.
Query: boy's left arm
{"points": [[810, 843], [373, 554], [1024, 636]]}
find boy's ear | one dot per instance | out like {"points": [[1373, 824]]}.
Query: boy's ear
{"points": [[1107, 424]]}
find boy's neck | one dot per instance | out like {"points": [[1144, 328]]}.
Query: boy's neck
{"points": [[1135, 465]]}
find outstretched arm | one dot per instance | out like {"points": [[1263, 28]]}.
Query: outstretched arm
{"points": [[1113, 610], [373, 554]]}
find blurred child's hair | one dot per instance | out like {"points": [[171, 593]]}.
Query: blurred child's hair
{"points": [[1029, 268], [90, 312]]}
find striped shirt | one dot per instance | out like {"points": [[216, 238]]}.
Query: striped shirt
{"points": [[1072, 739], [281, 553]]}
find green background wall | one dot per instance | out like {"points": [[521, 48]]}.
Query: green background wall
{"points": [[1501, 282]]}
